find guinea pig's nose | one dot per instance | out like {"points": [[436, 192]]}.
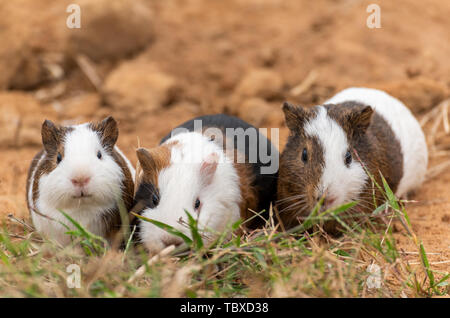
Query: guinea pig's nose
{"points": [[80, 181]]}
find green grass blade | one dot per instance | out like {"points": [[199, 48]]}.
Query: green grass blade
{"points": [[193, 226], [76, 224], [443, 281], [166, 228], [390, 195], [90, 241], [426, 264]]}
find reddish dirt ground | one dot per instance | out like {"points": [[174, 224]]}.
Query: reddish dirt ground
{"points": [[177, 59]]}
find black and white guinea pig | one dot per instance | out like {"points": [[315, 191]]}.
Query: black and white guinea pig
{"points": [[80, 171], [329, 145], [198, 171]]}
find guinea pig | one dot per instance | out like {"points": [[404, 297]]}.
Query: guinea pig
{"points": [[218, 172], [81, 172], [330, 147]]}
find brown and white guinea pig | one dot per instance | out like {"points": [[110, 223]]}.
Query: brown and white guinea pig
{"points": [[329, 145], [80, 171], [196, 170]]}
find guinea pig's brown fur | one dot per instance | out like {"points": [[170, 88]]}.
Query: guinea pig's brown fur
{"points": [[152, 161], [249, 190], [249, 195], [370, 139], [211, 168], [54, 141]]}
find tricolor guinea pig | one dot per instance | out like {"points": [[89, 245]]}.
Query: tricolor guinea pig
{"points": [[215, 172], [81, 172], [330, 146]]}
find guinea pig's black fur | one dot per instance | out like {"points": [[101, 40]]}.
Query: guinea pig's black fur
{"points": [[263, 186]]}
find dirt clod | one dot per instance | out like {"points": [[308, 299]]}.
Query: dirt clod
{"points": [[419, 94], [262, 83], [21, 126], [112, 29], [446, 218], [138, 87], [255, 111]]}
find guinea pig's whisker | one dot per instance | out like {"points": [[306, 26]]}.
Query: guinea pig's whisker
{"points": [[361, 201], [364, 207], [290, 207], [369, 191], [364, 201], [299, 212], [296, 203], [370, 201], [294, 197], [286, 199]]}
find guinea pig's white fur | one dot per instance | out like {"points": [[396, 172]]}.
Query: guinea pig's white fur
{"points": [[345, 183], [180, 184], [402, 122], [56, 191]]}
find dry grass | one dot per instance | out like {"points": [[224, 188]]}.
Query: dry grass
{"points": [[437, 129], [268, 262], [263, 263]]}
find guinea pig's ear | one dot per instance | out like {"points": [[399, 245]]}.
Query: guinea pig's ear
{"points": [[153, 160], [146, 160], [50, 136], [360, 119], [109, 132], [295, 116], [208, 168]]}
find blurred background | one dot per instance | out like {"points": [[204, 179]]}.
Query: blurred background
{"points": [[154, 64]]}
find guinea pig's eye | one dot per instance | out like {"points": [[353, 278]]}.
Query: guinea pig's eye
{"points": [[348, 158], [155, 199], [99, 154], [197, 204], [58, 158], [305, 155]]}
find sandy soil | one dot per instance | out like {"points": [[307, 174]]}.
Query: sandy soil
{"points": [[243, 57]]}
